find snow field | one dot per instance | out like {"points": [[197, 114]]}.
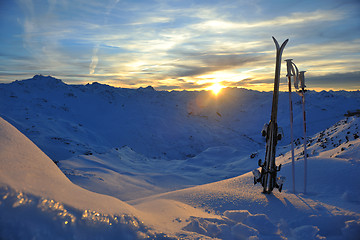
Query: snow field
{"points": [[184, 174]]}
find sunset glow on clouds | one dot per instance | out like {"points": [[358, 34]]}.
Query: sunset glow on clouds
{"points": [[180, 44]]}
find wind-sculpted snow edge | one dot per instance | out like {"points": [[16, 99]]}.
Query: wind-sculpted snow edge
{"points": [[25, 215]]}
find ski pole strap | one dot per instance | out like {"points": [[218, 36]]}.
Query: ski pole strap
{"points": [[296, 75]]}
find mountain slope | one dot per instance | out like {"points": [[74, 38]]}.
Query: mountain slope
{"points": [[70, 120]]}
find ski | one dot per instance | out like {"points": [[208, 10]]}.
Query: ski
{"points": [[268, 175]]}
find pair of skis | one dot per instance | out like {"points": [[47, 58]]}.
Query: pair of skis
{"points": [[268, 174]]}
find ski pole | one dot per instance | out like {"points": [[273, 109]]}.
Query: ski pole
{"points": [[302, 82], [290, 73]]}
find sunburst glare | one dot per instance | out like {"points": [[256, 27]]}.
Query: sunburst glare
{"points": [[216, 88]]}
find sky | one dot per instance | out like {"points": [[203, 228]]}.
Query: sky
{"points": [[181, 44]]}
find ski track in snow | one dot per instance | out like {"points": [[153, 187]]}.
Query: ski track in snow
{"points": [[171, 165]]}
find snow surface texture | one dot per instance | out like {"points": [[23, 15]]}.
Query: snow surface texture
{"points": [[170, 164]]}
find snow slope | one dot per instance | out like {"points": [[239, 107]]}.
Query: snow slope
{"points": [[145, 176], [156, 159], [38, 201], [245, 213], [333, 166], [330, 209], [34, 191]]}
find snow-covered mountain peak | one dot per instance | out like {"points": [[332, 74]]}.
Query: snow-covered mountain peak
{"points": [[40, 80], [147, 89]]}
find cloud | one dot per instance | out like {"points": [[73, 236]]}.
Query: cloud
{"points": [[192, 85], [94, 61], [183, 43], [192, 65], [324, 49], [111, 6], [296, 18], [349, 80]]}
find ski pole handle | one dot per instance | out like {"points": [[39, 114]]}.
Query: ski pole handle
{"points": [[292, 70], [289, 67], [302, 79]]}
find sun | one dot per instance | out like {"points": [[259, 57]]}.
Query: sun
{"points": [[216, 88]]}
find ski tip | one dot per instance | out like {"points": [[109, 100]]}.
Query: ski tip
{"points": [[276, 43], [284, 44]]}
